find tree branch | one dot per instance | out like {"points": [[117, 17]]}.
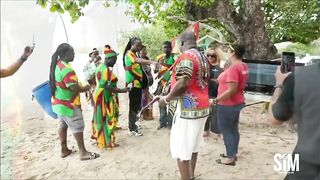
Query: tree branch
{"points": [[220, 10], [220, 39]]}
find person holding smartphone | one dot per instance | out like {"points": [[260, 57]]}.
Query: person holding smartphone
{"points": [[14, 67], [296, 97]]}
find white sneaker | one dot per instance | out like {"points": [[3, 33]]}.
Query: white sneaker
{"points": [[139, 126], [135, 133]]}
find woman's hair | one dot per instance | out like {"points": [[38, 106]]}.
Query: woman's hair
{"points": [[216, 52], [128, 47], [239, 50], [59, 53]]}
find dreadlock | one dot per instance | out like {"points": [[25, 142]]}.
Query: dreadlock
{"points": [[128, 47], [59, 53]]}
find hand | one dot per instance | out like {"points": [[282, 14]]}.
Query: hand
{"points": [[213, 102], [215, 80], [279, 76], [27, 51], [127, 89], [162, 102]]}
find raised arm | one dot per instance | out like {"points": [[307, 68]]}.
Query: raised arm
{"points": [[14, 67]]}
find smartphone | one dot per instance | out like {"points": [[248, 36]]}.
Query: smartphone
{"points": [[287, 62]]}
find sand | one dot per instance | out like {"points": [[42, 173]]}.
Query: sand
{"points": [[33, 151]]}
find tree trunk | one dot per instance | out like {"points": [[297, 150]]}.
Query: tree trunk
{"points": [[247, 26]]}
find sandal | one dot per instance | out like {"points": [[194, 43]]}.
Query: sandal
{"points": [[232, 163], [91, 157], [225, 156]]}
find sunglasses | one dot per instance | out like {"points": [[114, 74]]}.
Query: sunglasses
{"points": [[212, 55]]}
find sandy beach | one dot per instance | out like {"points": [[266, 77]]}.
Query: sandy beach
{"points": [[32, 151]]}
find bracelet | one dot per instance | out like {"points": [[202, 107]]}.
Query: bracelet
{"points": [[278, 86], [23, 58], [164, 99], [215, 101]]}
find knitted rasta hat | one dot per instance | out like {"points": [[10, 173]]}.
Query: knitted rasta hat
{"points": [[108, 53]]}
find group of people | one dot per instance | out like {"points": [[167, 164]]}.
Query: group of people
{"points": [[203, 97]]}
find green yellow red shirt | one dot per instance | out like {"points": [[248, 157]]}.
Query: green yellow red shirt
{"points": [[64, 100], [133, 70], [166, 63]]}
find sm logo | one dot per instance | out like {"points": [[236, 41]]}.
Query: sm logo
{"points": [[286, 163]]}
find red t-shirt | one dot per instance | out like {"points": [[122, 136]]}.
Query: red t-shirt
{"points": [[237, 73]]}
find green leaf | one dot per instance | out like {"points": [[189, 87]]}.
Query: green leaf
{"points": [[42, 3], [53, 8]]}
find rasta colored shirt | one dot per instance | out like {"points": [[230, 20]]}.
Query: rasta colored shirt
{"points": [[64, 100], [166, 63], [105, 78], [133, 70]]}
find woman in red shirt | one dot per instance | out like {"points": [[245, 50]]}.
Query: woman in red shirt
{"points": [[230, 101]]}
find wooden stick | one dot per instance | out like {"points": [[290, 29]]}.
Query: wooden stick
{"points": [[157, 98]]}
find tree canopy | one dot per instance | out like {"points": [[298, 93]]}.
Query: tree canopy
{"points": [[256, 24], [151, 36]]}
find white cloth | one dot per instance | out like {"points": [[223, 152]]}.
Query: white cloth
{"points": [[89, 70], [186, 136]]}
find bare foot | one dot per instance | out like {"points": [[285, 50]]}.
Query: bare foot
{"points": [[89, 156], [116, 145], [65, 153]]}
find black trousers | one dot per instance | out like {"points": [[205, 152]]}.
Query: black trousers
{"points": [[134, 107], [306, 171], [212, 121]]}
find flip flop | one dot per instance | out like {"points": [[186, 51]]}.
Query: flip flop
{"points": [[233, 163], [91, 157]]}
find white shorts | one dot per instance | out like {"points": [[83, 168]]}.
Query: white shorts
{"points": [[186, 136]]}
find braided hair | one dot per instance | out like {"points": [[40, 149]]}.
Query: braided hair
{"points": [[58, 54], [128, 47]]}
